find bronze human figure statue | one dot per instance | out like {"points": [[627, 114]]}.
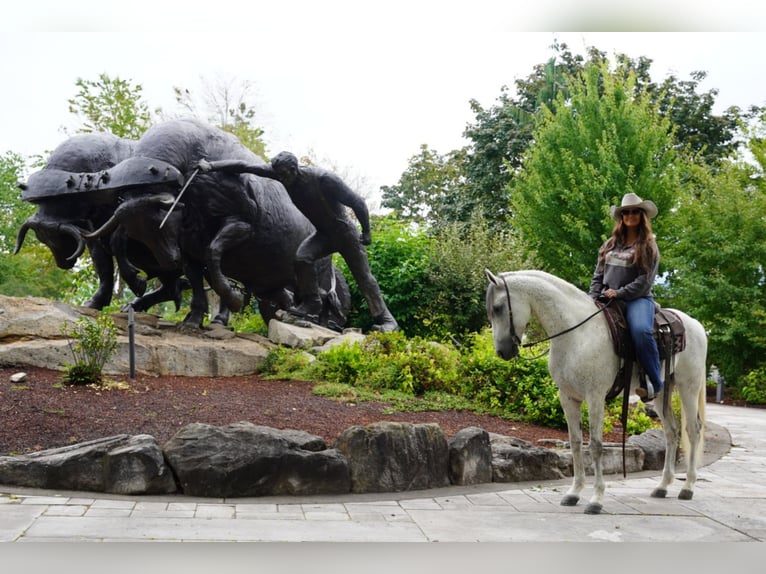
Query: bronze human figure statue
{"points": [[322, 197]]}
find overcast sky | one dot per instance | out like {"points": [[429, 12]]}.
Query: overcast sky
{"points": [[360, 84]]}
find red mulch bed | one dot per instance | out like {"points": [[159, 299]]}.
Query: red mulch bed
{"points": [[41, 413]]}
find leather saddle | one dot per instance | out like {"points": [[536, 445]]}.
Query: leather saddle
{"points": [[669, 332]]}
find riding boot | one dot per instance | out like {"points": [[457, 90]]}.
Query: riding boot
{"points": [[647, 391]]}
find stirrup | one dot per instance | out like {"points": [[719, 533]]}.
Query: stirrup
{"points": [[646, 394]]}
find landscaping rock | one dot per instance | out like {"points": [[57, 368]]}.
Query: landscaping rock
{"points": [[470, 457], [393, 457], [652, 443], [516, 460], [120, 464], [243, 459]]}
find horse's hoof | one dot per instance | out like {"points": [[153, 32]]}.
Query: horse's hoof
{"points": [[685, 494], [570, 500], [594, 508], [659, 493]]}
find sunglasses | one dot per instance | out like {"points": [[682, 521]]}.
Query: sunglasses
{"points": [[631, 211]]}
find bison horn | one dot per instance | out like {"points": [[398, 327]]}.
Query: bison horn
{"points": [[108, 227], [26, 226], [77, 234]]}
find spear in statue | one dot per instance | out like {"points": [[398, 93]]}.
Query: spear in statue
{"points": [[178, 197]]}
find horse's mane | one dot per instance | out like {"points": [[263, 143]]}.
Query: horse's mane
{"points": [[562, 285]]}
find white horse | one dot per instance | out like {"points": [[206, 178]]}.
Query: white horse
{"points": [[583, 364]]}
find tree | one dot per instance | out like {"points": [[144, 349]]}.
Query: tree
{"points": [[13, 211], [697, 128], [229, 107], [605, 140], [425, 190], [502, 133], [716, 254], [111, 105], [30, 272]]}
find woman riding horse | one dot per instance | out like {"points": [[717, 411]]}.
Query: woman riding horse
{"points": [[626, 269]]}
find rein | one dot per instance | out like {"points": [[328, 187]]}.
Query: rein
{"points": [[515, 338]]}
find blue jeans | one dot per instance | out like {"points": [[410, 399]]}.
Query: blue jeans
{"points": [[639, 313]]}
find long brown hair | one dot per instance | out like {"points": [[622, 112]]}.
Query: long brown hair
{"points": [[645, 250]]}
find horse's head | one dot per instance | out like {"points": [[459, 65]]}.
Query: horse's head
{"points": [[508, 315]]}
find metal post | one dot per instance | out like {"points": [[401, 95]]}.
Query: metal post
{"points": [[716, 376], [131, 343]]}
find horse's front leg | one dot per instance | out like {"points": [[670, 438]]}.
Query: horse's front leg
{"points": [[573, 414], [595, 428], [670, 430]]}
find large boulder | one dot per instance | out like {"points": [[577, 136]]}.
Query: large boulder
{"points": [[470, 457], [516, 460], [242, 459], [393, 457], [28, 318], [120, 464], [652, 443]]}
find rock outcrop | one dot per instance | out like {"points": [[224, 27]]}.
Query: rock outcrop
{"points": [[31, 334]]}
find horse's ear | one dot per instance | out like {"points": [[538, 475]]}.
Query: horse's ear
{"points": [[492, 278]]}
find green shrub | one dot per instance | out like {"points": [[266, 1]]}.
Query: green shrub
{"points": [[521, 389], [638, 421], [284, 363], [92, 344], [391, 361], [398, 257], [415, 374], [754, 386], [433, 282]]}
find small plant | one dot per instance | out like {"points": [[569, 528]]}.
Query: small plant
{"points": [[283, 363], [91, 343], [248, 320]]}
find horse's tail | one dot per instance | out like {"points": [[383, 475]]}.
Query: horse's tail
{"points": [[685, 443]]}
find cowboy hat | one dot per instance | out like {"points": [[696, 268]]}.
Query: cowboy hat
{"points": [[631, 200]]}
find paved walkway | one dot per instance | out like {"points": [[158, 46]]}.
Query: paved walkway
{"points": [[729, 505]]}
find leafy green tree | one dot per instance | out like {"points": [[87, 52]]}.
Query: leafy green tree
{"points": [[426, 190], [398, 258], [459, 254], [13, 211], [111, 105], [716, 256], [31, 271], [229, 107], [697, 128], [604, 141], [433, 284], [501, 133]]}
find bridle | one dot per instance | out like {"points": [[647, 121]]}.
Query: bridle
{"points": [[517, 340], [514, 337]]}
